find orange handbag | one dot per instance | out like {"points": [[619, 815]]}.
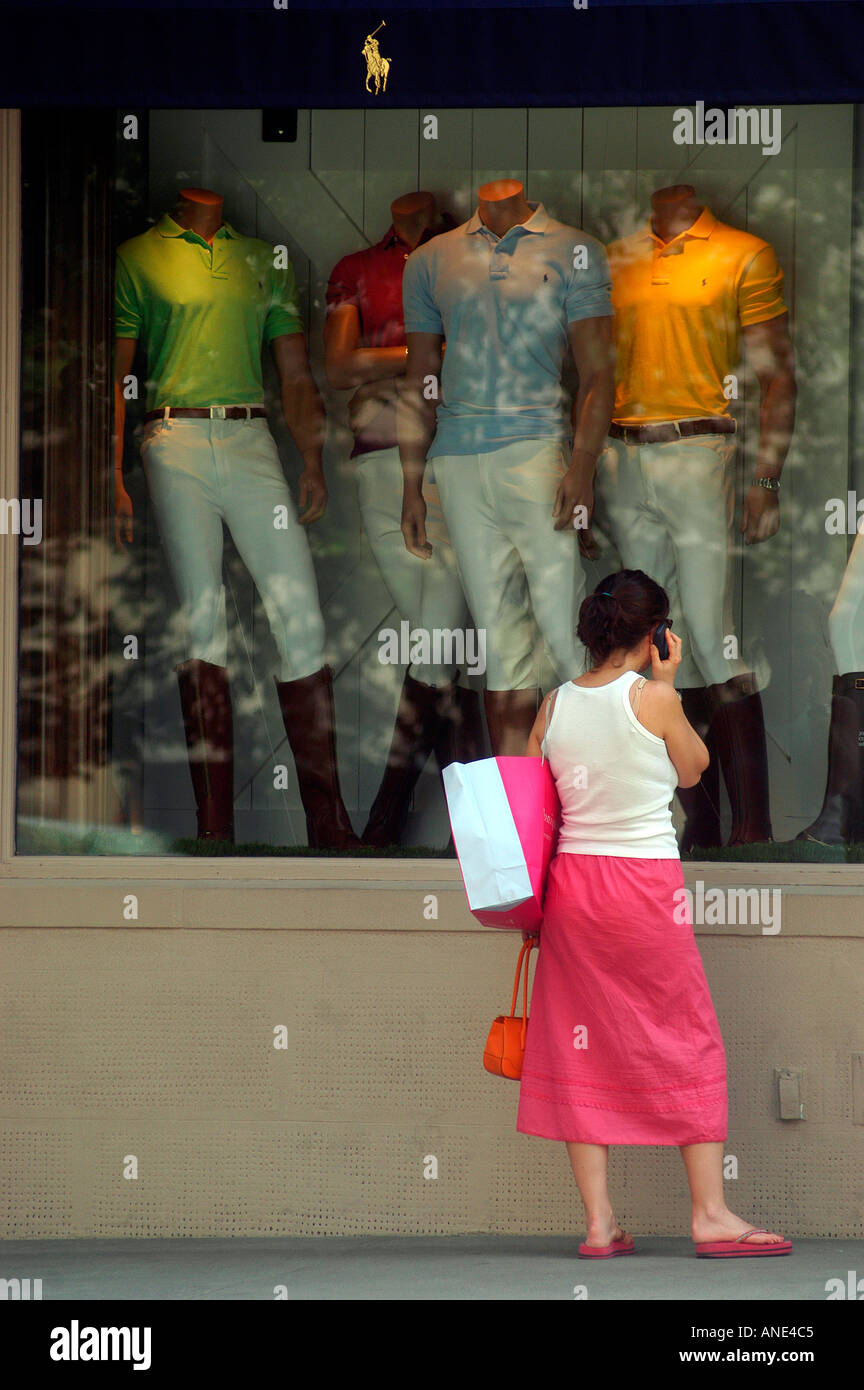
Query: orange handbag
{"points": [[505, 1046]]}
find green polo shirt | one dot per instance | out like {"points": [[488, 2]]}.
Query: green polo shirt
{"points": [[202, 312]]}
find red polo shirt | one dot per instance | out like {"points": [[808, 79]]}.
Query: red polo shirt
{"points": [[371, 280]]}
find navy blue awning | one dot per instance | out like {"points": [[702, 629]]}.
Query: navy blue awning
{"points": [[195, 53]]}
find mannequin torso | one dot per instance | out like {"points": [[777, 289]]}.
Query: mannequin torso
{"points": [[365, 332], [685, 290]]}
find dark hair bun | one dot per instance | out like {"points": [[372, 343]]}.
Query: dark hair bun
{"points": [[622, 610]]}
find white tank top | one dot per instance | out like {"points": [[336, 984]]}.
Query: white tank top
{"points": [[615, 778]]}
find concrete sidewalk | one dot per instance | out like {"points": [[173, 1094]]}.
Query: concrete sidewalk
{"points": [[408, 1268]]}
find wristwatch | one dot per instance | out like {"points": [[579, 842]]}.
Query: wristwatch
{"points": [[771, 484]]}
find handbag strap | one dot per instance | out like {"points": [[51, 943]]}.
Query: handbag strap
{"points": [[549, 707], [524, 955]]}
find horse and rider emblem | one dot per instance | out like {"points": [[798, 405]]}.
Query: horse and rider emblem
{"points": [[377, 66]]}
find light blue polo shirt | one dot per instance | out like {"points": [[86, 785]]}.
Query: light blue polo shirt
{"points": [[503, 305]]}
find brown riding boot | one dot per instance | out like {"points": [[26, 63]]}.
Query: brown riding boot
{"points": [[205, 699], [701, 804], [460, 737], [309, 717], [841, 819], [738, 726], [510, 715], [414, 735]]}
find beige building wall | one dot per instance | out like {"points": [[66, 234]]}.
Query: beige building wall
{"points": [[155, 1039]]}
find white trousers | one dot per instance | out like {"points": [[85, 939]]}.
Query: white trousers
{"points": [[669, 509], [201, 472], [498, 510], [427, 593], [846, 621]]}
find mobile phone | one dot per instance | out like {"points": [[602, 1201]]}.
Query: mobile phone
{"points": [[659, 639]]}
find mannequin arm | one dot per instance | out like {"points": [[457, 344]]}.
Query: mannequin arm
{"points": [[304, 415], [347, 364], [415, 412], [769, 351], [415, 428], [592, 346], [124, 354]]}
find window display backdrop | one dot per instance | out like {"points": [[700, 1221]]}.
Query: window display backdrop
{"points": [[329, 194]]}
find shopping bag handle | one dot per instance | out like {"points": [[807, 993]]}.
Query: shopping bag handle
{"points": [[524, 954]]}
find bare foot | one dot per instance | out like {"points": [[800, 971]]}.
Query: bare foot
{"points": [[603, 1233], [728, 1226]]}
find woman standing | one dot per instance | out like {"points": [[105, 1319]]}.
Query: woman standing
{"points": [[624, 1045]]}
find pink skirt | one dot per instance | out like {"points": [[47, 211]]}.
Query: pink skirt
{"points": [[623, 1043]]}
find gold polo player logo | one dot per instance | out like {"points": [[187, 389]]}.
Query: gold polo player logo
{"points": [[377, 66]]}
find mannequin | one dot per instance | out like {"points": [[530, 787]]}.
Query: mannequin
{"points": [[510, 714], [665, 479], [508, 482], [674, 210], [365, 348], [197, 292]]}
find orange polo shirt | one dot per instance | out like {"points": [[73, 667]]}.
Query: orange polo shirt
{"points": [[679, 308]]}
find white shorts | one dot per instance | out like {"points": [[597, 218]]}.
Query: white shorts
{"points": [[846, 621], [201, 472], [498, 509], [427, 593], [668, 509]]}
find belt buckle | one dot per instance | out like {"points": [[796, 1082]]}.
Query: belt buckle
{"points": [[217, 412]]}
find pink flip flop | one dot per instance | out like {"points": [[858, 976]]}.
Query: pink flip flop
{"points": [[736, 1250], [606, 1252]]}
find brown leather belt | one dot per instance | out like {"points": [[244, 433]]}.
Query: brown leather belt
{"points": [[674, 429], [214, 412]]}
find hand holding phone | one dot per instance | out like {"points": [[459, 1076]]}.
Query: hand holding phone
{"points": [[659, 638], [665, 652]]}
